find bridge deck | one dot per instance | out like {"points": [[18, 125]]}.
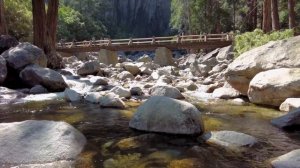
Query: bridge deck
{"points": [[209, 41]]}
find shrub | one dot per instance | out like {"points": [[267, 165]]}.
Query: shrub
{"points": [[246, 41]]}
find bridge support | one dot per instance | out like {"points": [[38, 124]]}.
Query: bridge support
{"points": [[163, 57], [108, 57]]}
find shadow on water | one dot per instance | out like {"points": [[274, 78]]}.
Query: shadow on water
{"points": [[111, 144]]}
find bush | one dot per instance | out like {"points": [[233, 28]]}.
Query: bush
{"points": [[249, 40]]}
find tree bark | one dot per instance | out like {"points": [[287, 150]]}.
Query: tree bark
{"points": [[38, 14], [254, 14], [3, 26], [267, 18], [275, 15], [54, 60], [292, 14]]}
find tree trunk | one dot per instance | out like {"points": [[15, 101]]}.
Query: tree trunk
{"points": [[292, 14], [3, 26], [275, 15], [38, 14], [267, 18], [254, 14]]}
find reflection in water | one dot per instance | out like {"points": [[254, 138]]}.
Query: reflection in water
{"points": [[111, 144]]}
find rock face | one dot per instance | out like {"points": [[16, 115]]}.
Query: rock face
{"points": [[89, 68], [274, 86], [3, 69], [108, 57], [289, 160], [163, 57], [229, 139], [130, 15], [50, 79], [37, 142], [165, 90], [167, 115], [6, 42], [25, 54], [280, 54], [289, 120]]}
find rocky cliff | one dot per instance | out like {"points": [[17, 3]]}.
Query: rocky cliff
{"points": [[139, 18]]}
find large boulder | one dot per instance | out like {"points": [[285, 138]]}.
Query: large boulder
{"points": [[167, 115], [290, 104], [38, 142], [3, 70], [35, 75], [89, 68], [131, 67], [166, 90], [6, 42], [163, 57], [280, 54], [25, 54], [291, 119], [289, 160], [274, 86]]}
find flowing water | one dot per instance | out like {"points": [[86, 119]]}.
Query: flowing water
{"points": [[111, 144]]}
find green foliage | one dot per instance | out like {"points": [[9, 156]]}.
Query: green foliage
{"points": [[18, 17], [72, 25], [249, 40]]}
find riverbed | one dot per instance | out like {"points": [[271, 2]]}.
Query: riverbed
{"points": [[111, 143]]}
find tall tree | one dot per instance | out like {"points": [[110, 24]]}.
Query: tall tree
{"points": [[292, 14], [44, 28], [3, 26], [38, 15], [267, 18], [275, 15]]}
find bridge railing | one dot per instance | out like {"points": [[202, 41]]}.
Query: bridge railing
{"points": [[150, 41]]}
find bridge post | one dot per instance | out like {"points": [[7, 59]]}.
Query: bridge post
{"points": [[108, 57], [153, 40], [178, 39], [163, 57]]}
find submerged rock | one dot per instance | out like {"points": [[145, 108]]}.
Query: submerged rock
{"points": [[167, 115], [289, 120], [38, 142], [230, 139], [50, 79], [289, 160], [25, 54], [274, 86], [166, 90]]}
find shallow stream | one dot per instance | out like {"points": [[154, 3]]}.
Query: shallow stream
{"points": [[111, 143]]}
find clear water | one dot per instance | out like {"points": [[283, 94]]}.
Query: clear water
{"points": [[108, 144]]}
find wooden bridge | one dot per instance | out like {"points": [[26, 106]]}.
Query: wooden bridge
{"points": [[205, 41]]}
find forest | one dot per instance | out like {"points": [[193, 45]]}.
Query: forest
{"points": [[87, 19]]}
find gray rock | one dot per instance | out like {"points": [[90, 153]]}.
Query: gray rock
{"points": [[125, 75], [290, 104], [93, 97], [230, 139], [112, 101], [6, 42], [167, 115], [36, 142], [72, 96], [89, 68], [273, 87], [226, 93], [166, 90], [225, 54], [289, 160], [200, 69], [136, 91], [145, 59], [120, 91], [50, 79], [38, 89], [289, 120], [25, 54], [97, 80], [3, 70], [131, 67], [279, 54]]}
